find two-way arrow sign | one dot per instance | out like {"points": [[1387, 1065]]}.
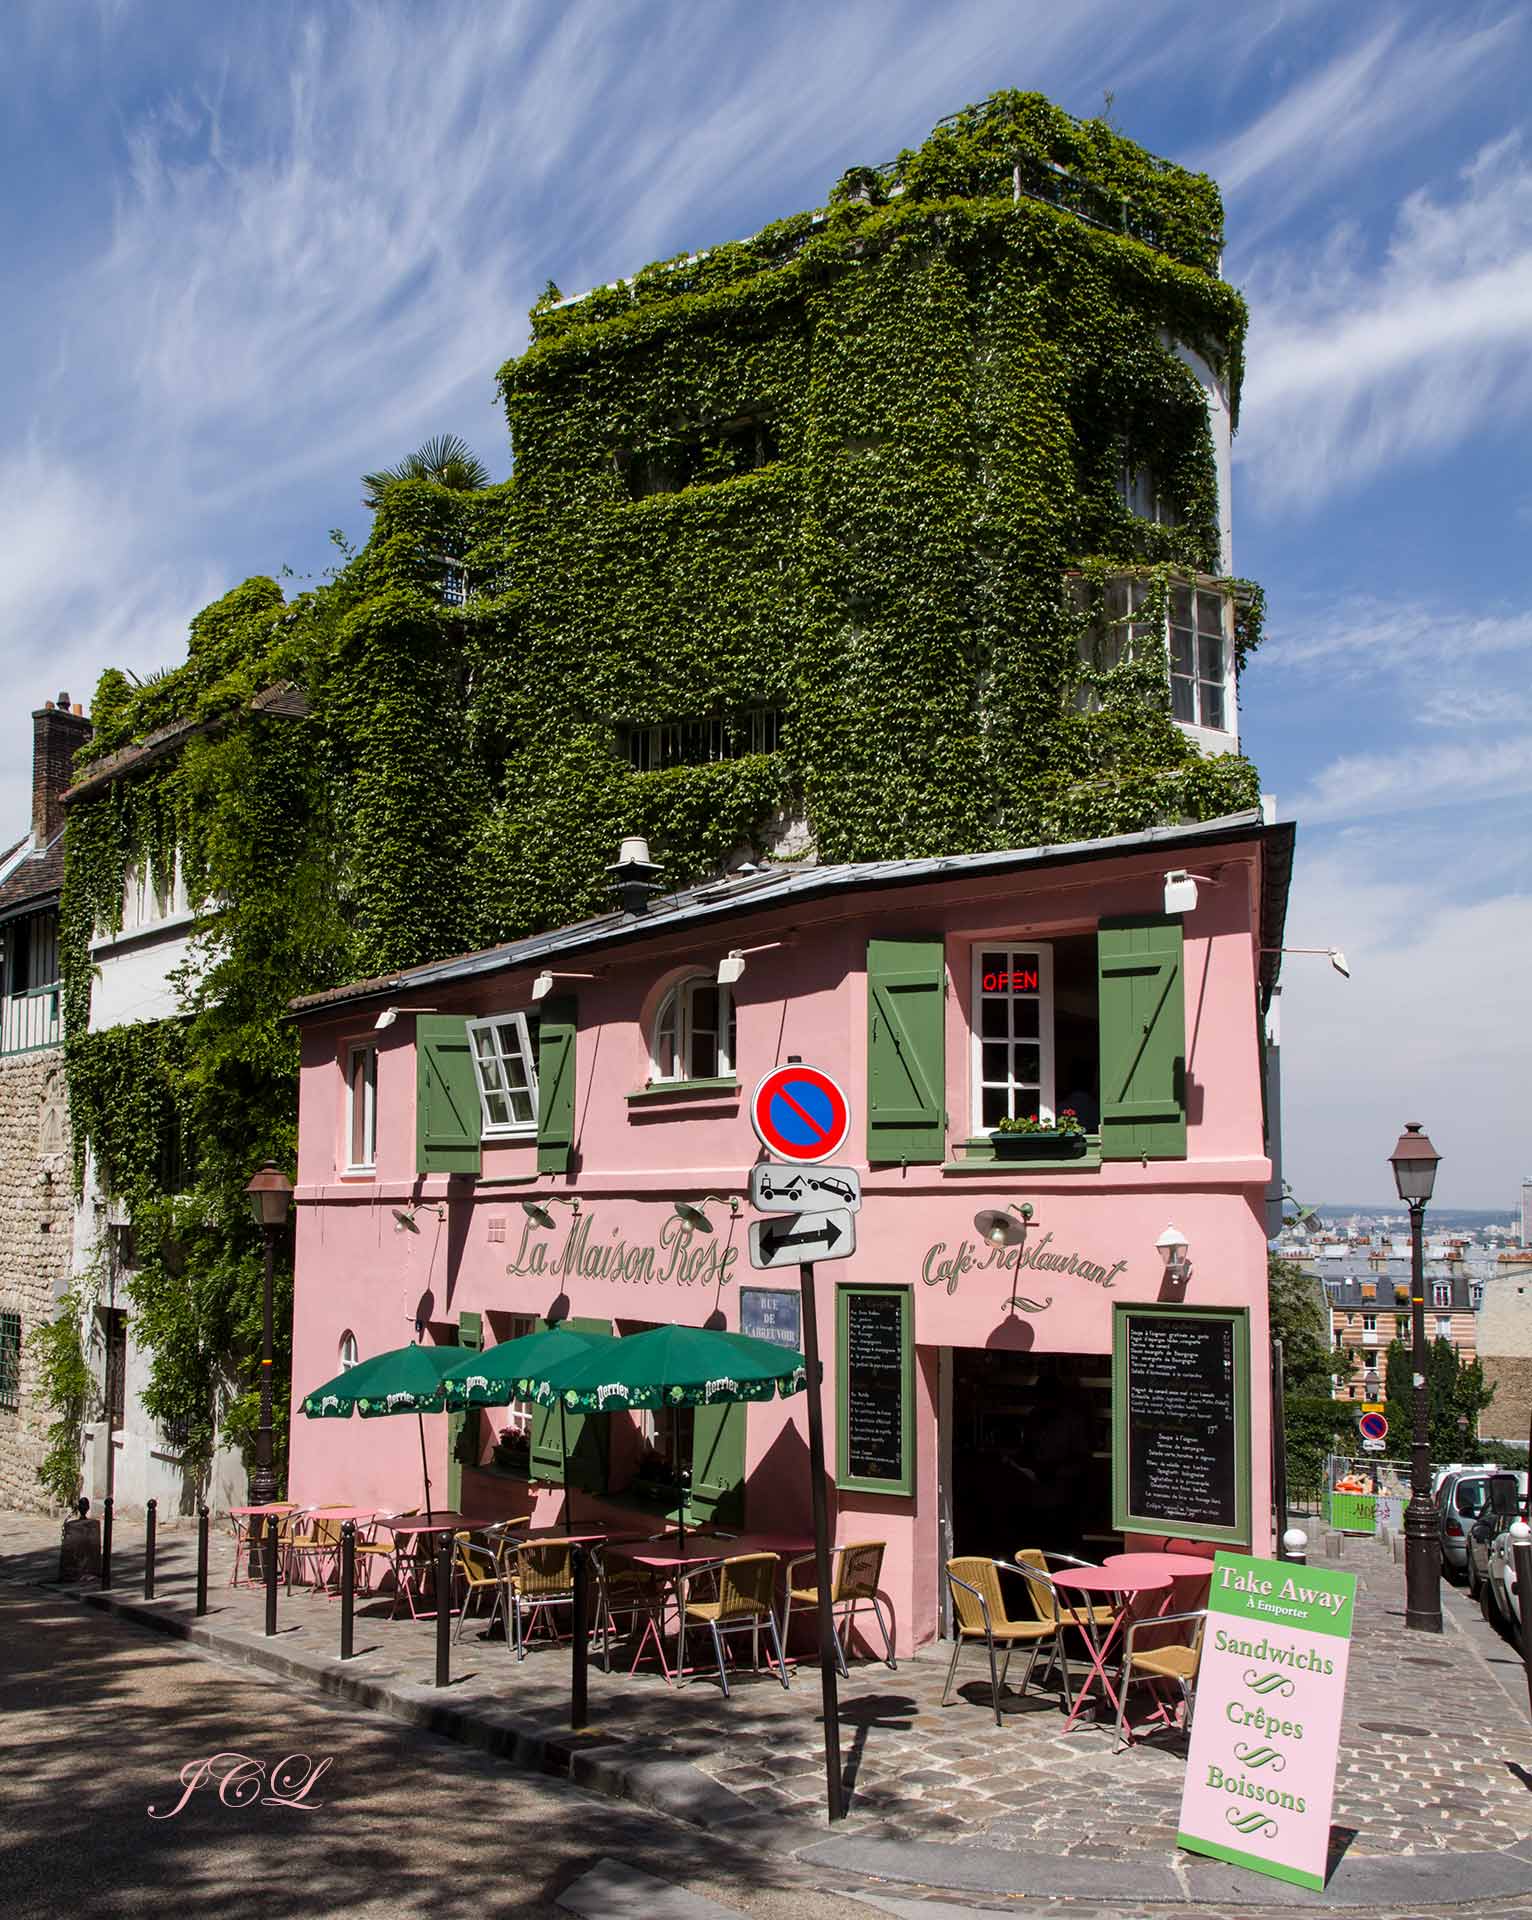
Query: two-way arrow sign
{"points": [[792, 1239]]}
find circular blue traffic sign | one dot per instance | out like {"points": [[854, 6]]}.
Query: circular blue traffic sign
{"points": [[1374, 1426], [800, 1114]]}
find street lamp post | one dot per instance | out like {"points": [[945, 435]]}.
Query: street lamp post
{"points": [[1415, 1162], [270, 1192]]}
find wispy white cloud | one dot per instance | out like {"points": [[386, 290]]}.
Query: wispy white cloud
{"points": [[1363, 636], [1381, 93], [1406, 778], [1353, 369], [1431, 1026]]}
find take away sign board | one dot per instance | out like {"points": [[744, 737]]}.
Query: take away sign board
{"points": [[1271, 1687]]}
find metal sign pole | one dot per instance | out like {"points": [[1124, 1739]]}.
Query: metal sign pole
{"points": [[827, 1661]]}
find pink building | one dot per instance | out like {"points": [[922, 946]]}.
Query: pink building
{"points": [[1099, 1377]]}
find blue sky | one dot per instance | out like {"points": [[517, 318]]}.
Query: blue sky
{"points": [[254, 252]]}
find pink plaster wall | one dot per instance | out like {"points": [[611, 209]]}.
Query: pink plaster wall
{"points": [[356, 1272]]}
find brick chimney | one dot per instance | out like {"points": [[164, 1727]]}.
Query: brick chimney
{"points": [[58, 732]]}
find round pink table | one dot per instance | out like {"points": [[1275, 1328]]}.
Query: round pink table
{"points": [[1117, 1583], [1158, 1566]]}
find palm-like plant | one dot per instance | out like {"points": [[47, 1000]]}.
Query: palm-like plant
{"points": [[447, 460]]}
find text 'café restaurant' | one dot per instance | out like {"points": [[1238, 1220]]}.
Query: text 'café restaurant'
{"points": [[499, 1141]]}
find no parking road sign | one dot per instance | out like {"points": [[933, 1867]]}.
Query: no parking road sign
{"points": [[800, 1114], [1374, 1427]]}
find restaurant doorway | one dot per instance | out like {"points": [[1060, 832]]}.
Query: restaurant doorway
{"points": [[1031, 1453]]}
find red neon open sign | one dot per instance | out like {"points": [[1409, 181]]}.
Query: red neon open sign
{"points": [[1021, 980]]}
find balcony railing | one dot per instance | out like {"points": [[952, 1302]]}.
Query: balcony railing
{"points": [[30, 1020]]}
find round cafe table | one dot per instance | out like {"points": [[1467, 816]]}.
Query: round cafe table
{"points": [[1122, 1585], [1159, 1566]]}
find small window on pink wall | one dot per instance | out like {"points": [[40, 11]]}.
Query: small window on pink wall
{"points": [[362, 1109]]}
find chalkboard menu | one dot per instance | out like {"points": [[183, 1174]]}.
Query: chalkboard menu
{"points": [[1180, 1418], [875, 1379], [773, 1314]]}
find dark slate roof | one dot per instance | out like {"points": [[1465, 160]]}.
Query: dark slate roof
{"points": [[36, 880], [800, 883], [1391, 1281]]}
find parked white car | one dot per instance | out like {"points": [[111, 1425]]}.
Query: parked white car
{"points": [[1498, 1596]]}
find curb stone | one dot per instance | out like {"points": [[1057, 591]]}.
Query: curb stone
{"points": [[638, 1771]]}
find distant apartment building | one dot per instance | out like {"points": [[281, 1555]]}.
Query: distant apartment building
{"points": [[1370, 1308], [1526, 1212], [34, 1108]]}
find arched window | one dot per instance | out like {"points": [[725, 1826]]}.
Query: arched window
{"points": [[694, 1031], [348, 1354]]}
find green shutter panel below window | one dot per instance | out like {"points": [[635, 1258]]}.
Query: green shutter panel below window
{"points": [[582, 1437], [718, 1465], [463, 1428], [556, 1084], [446, 1096], [1143, 1039], [906, 1050]]}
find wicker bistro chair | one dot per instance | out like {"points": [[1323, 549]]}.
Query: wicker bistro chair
{"points": [[541, 1577], [483, 1577], [313, 1549], [374, 1557], [853, 1583], [980, 1609], [1172, 1663], [747, 1591], [1085, 1616]]}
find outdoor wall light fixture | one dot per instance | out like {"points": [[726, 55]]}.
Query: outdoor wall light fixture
{"points": [[1333, 954], [542, 986], [537, 1210], [1181, 889], [404, 1217], [1004, 1227], [1171, 1245], [390, 1014], [732, 965], [693, 1213]]}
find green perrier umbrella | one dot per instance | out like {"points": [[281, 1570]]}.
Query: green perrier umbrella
{"points": [[403, 1380], [670, 1367], [511, 1371]]}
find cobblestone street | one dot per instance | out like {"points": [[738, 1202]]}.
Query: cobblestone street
{"points": [[1436, 1758]]}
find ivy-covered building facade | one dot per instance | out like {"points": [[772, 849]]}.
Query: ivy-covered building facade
{"points": [[900, 530]]}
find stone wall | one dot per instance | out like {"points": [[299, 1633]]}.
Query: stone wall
{"points": [[1508, 1414], [36, 1222]]}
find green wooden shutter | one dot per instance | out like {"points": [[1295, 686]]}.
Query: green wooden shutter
{"points": [[584, 1435], [470, 1337], [556, 1084], [446, 1096], [906, 1050], [1143, 1039], [718, 1465]]}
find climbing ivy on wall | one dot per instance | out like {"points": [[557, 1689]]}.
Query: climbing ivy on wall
{"points": [[944, 382]]}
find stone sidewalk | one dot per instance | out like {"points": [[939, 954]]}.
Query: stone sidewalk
{"points": [[1432, 1802]]}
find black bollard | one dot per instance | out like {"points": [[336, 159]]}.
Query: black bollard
{"points": [[1521, 1553], [347, 1586], [201, 1558], [579, 1671], [151, 1522], [271, 1573], [444, 1610], [106, 1541]]}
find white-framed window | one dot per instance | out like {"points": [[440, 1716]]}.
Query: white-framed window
{"points": [[347, 1352], [1441, 1293], [505, 1064], [694, 1032], [1198, 633], [1444, 1326], [362, 1117], [1013, 1034]]}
